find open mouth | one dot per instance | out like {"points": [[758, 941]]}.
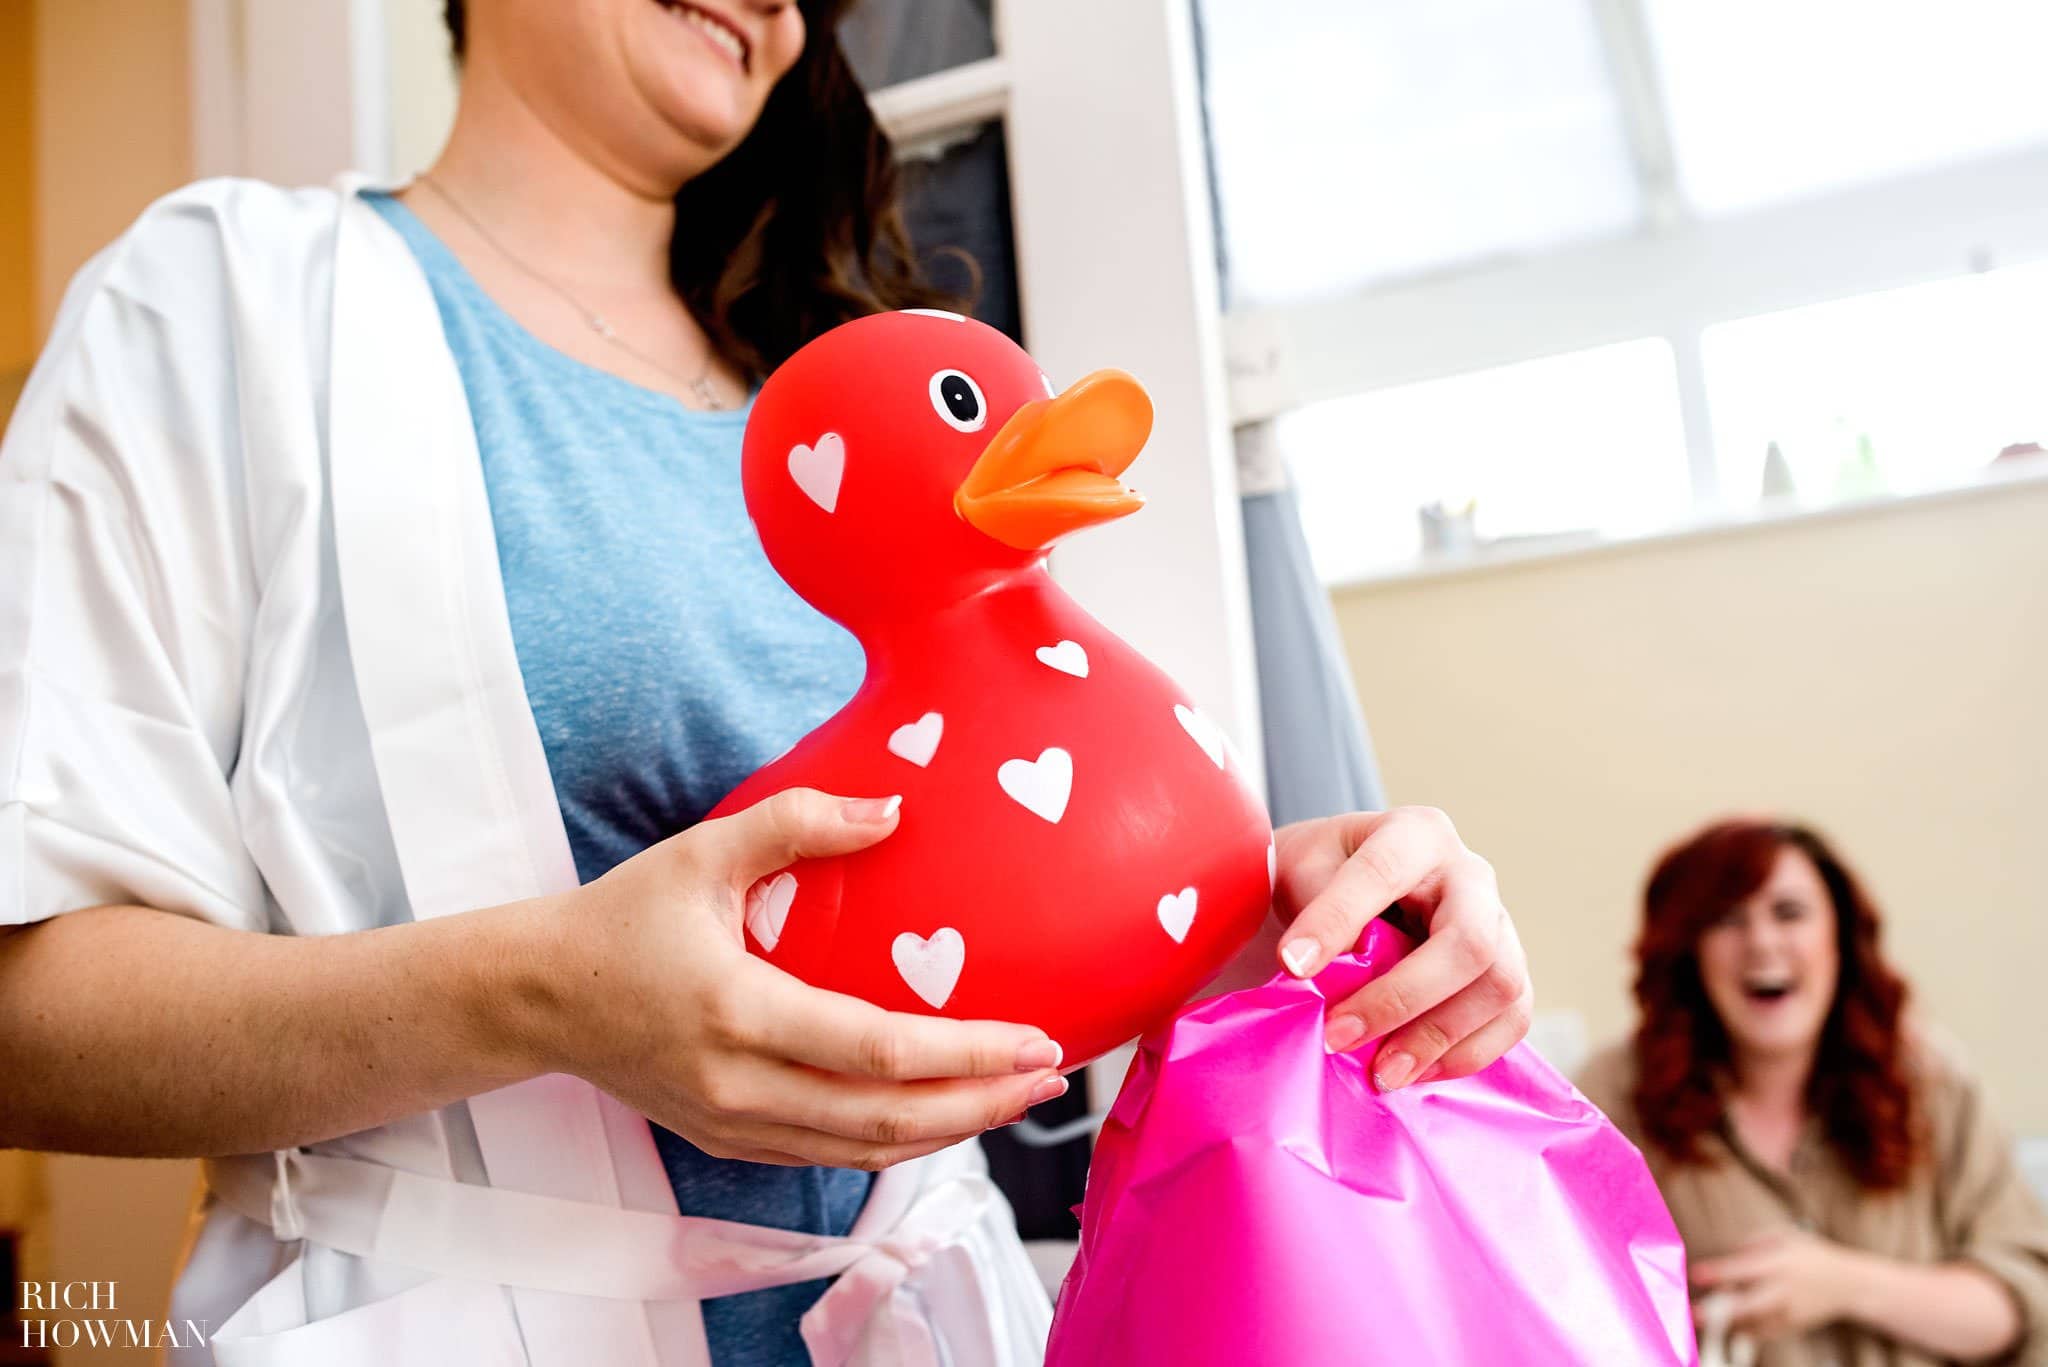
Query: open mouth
{"points": [[1767, 990], [717, 30]]}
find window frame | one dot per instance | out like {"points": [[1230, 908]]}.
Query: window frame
{"points": [[1679, 274]]}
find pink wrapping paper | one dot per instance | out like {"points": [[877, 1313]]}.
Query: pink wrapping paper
{"points": [[1253, 1200]]}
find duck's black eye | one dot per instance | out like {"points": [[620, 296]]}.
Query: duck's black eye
{"points": [[957, 399]]}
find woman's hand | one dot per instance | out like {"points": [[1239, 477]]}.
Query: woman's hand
{"points": [[662, 1005], [1792, 1281], [1456, 1004], [1783, 1283]]}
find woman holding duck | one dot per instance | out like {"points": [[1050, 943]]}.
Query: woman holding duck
{"points": [[379, 618]]}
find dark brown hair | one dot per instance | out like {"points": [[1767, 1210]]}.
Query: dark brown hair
{"points": [[800, 227], [1859, 1088]]}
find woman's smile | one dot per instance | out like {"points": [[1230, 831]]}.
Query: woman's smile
{"points": [[720, 32], [1767, 989]]}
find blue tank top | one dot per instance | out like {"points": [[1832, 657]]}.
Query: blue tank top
{"points": [[664, 659]]}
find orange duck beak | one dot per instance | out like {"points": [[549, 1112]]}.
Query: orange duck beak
{"points": [[1052, 468]]}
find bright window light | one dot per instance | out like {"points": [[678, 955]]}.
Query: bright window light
{"points": [[1589, 441], [1361, 140], [1773, 99], [1893, 392]]}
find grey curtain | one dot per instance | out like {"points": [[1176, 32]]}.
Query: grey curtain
{"points": [[1319, 758]]}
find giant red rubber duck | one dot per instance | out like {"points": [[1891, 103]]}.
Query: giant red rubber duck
{"points": [[1078, 847]]}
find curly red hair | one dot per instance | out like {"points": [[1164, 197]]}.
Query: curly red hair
{"points": [[1859, 1088]]}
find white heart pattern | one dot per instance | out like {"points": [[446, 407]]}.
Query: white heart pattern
{"points": [[1207, 734], [931, 967], [818, 469], [1177, 913], [1067, 657], [1042, 786], [918, 741], [1272, 867], [768, 908]]}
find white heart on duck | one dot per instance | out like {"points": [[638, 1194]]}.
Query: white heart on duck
{"points": [[918, 741], [818, 469], [1067, 657], [1207, 733], [1177, 913], [1041, 786], [931, 967], [1272, 867], [768, 908]]}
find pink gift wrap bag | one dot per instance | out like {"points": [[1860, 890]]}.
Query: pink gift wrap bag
{"points": [[1255, 1202]]}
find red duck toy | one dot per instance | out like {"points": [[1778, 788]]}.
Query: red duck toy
{"points": [[1078, 849]]}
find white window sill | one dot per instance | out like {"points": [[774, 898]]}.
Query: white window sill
{"points": [[1521, 552]]}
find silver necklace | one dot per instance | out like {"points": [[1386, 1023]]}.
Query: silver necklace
{"points": [[699, 385]]}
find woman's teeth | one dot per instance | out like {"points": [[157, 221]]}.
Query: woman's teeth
{"points": [[713, 29]]}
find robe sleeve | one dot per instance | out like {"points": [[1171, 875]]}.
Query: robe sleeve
{"points": [[1989, 1215], [126, 594]]}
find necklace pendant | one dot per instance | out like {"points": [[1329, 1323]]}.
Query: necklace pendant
{"points": [[602, 327]]}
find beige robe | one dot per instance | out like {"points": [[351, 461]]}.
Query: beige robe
{"points": [[1969, 1203]]}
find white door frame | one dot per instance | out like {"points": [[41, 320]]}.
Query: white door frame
{"points": [[1116, 266]]}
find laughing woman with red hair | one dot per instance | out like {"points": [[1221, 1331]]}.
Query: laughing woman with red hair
{"points": [[1845, 1196]]}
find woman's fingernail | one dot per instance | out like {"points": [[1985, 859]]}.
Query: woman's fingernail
{"points": [[1392, 1070], [1040, 1053], [1298, 955], [872, 809], [1047, 1090], [1342, 1032]]}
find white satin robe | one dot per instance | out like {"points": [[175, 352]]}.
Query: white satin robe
{"points": [[255, 667]]}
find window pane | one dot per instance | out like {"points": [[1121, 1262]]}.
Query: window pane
{"points": [[1775, 98], [1894, 391], [890, 41], [957, 208], [1587, 441], [1360, 140]]}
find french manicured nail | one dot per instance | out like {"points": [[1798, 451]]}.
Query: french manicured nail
{"points": [[872, 809], [1298, 955], [1392, 1070], [1342, 1032], [1040, 1053], [1047, 1090]]}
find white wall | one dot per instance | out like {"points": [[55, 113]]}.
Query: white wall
{"points": [[112, 127], [422, 83], [1883, 673]]}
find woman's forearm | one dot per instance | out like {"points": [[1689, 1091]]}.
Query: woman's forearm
{"points": [[129, 1031], [1951, 1310]]}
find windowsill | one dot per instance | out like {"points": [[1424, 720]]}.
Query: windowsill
{"points": [[1565, 546]]}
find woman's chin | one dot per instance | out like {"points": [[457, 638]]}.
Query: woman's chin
{"points": [[708, 117], [1766, 1034], [693, 103]]}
